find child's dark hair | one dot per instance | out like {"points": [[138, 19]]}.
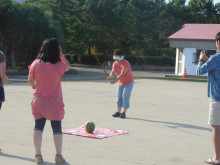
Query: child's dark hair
{"points": [[118, 52], [49, 51], [217, 37]]}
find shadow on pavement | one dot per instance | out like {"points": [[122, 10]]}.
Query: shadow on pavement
{"points": [[174, 125], [27, 159], [16, 157]]}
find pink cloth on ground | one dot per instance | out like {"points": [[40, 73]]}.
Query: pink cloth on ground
{"points": [[48, 99], [128, 77], [99, 133]]}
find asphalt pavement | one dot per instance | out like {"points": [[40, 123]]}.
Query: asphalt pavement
{"points": [[166, 123]]}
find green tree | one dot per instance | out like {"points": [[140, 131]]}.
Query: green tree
{"points": [[24, 28], [12, 31], [202, 11], [100, 21], [217, 15], [72, 22], [34, 30], [142, 16], [121, 31], [171, 18]]}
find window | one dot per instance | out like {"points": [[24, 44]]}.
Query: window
{"points": [[197, 54]]}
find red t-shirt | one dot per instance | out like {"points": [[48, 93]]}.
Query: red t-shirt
{"points": [[128, 77]]}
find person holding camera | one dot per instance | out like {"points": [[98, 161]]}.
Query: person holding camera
{"points": [[211, 65]]}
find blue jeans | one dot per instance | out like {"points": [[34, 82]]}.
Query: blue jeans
{"points": [[124, 94]]}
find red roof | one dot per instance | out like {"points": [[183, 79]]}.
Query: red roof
{"points": [[196, 32]]}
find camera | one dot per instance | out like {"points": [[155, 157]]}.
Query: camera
{"points": [[205, 51]]}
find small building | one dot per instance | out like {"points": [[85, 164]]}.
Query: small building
{"points": [[189, 42]]}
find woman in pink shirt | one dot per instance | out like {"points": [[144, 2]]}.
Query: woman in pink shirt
{"points": [[45, 77], [125, 79]]}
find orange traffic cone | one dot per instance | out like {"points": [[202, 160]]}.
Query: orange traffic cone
{"points": [[184, 75]]}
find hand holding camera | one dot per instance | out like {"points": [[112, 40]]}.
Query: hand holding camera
{"points": [[204, 55]]}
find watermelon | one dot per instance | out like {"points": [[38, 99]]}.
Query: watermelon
{"points": [[89, 126]]}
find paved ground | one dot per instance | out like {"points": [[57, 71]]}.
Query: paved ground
{"points": [[82, 73], [167, 123]]}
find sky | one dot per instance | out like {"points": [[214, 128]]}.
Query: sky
{"points": [[215, 1]]}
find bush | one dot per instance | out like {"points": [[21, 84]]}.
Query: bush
{"points": [[131, 59], [75, 58], [147, 60], [87, 59], [91, 59], [168, 52], [70, 58], [103, 58], [159, 60]]}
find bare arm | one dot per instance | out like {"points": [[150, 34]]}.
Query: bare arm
{"points": [[2, 69], [123, 72], [112, 74], [63, 58], [31, 82], [68, 66]]}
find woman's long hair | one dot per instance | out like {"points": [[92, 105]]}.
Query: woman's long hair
{"points": [[49, 51]]}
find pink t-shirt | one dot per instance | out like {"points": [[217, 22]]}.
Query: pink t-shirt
{"points": [[128, 77], [48, 99]]}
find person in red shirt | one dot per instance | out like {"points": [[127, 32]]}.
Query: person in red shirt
{"points": [[45, 78], [122, 69]]}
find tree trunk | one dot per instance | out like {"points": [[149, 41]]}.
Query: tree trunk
{"points": [[89, 50], [13, 63], [137, 50]]}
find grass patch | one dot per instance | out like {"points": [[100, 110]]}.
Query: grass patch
{"points": [[136, 78], [174, 79]]}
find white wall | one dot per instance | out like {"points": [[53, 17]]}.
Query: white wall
{"points": [[187, 62], [189, 65]]}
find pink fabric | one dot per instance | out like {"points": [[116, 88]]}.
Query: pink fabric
{"points": [[48, 99], [98, 133], [128, 77]]}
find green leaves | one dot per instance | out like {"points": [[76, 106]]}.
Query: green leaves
{"points": [[202, 11], [24, 27], [139, 27]]}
